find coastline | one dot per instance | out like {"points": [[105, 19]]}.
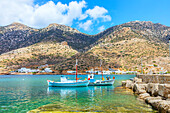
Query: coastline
{"points": [[55, 74], [155, 92]]}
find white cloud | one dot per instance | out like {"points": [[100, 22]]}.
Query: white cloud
{"points": [[26, 12], [101, 28], [83, 16], [38, 16], [98, 12], [86, 25]]}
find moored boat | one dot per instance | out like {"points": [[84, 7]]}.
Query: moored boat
{"points": [[68, 83], [102, 82]]}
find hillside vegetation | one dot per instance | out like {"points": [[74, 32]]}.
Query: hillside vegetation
{"points": [[37, 54], [122, 46]]}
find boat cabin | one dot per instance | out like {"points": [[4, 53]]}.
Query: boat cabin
{"points": [[91, 77], [63, 79]]}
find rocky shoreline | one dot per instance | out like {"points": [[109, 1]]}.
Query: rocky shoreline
{"points": [[157, 94]]}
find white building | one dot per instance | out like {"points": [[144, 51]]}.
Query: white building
{"points": [[27, 70], [71, 71], [48, 70]]}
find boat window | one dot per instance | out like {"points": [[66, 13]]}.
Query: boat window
{"points": [[90, 76]]}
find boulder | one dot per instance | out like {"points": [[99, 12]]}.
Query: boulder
{"points": [[129, 84], [137, 80], [123, 83], [140, 92], [144, 95], [154, 91], [149, 100], [164, 90], [155, 103], [164, 106], [149, 87], [139, 88]]}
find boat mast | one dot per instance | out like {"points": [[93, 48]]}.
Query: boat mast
{"points": [[101, 69], [76, 69]]}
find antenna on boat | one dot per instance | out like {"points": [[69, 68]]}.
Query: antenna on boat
{"points": [[76, 69], [101, 69]]}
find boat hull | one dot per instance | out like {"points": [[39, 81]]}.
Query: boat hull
{"points": [[102, 83], [68, 84]]}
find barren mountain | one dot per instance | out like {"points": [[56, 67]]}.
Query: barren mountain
{"points": [[120, 46]]}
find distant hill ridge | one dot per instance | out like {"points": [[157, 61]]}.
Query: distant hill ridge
{"points": [[118, 46], [17, 35]]}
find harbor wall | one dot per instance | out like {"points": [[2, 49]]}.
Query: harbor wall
{"points": [[153, 89], [161, 79]]}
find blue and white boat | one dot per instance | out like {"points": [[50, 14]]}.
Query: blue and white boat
{"points": [[102, 82], [107, 82], [69, 83]]}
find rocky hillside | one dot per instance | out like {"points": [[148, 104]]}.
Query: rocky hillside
{"points": [[37, 54], [126, 44], [121, 46], [17, 35]]}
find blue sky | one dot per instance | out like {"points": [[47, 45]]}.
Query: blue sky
{"points": [[88, 16]]}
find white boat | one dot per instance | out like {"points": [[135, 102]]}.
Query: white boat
{"points": [[68, 83], [102, 82]]}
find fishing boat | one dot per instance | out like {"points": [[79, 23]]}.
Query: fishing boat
{"points": [[64, 82], [107, 82], [102, 82]]}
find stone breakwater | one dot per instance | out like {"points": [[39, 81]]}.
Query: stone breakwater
{"points": [[153, 91]]}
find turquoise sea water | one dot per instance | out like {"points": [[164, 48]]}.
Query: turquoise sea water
{"points": [[22, 93]]}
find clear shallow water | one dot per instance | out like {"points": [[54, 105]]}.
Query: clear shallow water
{"points": [[21, 93]]}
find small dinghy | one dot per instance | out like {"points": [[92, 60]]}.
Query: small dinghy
{"points": [[68, 83]]}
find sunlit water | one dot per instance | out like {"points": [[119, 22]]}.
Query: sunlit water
{"points": [[21, 93]]}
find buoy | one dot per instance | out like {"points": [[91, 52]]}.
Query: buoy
{"points": [[113, 77]]}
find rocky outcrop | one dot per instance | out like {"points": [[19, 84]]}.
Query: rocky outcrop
{"points": [[153, 93], [139, 88], [164, 106], [151, 99], [128, 84], [144, 95], [152, 89], [164, 90], [137, 80]]}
